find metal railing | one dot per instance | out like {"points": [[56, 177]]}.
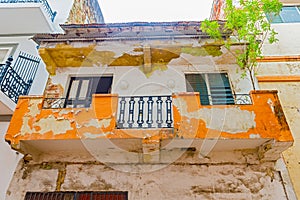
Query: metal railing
{"points": [[76, 195], [226, 99], [44, 2], [26, 66], [145, 112], [11, 83]]}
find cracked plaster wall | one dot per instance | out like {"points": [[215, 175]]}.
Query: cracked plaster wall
{"points": [[288, 92], [235, 180], [163, 79], [289, 95]]}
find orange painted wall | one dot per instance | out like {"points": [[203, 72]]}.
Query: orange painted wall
{"points": [[31, 122]]}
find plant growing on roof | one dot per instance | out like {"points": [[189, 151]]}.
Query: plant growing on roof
{"points": [[246, 24]]}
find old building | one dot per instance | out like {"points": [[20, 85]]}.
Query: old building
{"points": [[146, 111], [22, 72], [280, 70]]}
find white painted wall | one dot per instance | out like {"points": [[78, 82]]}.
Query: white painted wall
{"points": [[288, 92], [160, 82], [62, 8], [8, 159], [289, 41]]}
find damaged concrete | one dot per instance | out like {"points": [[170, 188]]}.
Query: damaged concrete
{"points": [[238, 179]]}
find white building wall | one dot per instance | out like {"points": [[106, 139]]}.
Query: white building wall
{"points": [[288, 91], [8, 159]]}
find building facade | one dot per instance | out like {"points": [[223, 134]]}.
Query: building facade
{"points": [[279, 70], [22, 71], [146, 111]]}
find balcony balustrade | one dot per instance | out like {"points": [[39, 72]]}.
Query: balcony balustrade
{"points": [[45, 4], [138, 122], [144, 111], [16, 80]]}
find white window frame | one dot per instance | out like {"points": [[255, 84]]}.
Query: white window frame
{"points": [[11, 48]]}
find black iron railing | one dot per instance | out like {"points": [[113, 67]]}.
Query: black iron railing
{"points": [[16, 80], [26, 66], [145, 112], [44, 2], [11, 84], [225, 99], [112, 195]]}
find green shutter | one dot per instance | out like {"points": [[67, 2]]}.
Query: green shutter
{"points": [[196, 83], [220, 89]]}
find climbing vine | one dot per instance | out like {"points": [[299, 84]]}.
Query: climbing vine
{"points": [[246, 24]]}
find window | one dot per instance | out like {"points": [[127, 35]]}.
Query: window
{"points": [[111, 195], [288, 14], [81, 89], [5, 51], [214, 88]]}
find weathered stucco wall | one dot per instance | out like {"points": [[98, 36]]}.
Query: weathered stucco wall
{"points": [[290, 97], [284, 76], [191, 120], [213, 179], [158, 67]]}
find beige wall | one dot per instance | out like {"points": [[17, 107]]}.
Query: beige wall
{"points": [[289, 91], [223, 175]]}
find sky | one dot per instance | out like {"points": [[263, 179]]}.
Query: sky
{"points": [[154, 10]]}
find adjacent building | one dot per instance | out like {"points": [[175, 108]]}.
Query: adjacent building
{"points": [[22, 71], [279, 69], [146, 111]]}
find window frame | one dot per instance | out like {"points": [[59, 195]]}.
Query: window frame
{"points": [[280, 18], [84, 102], [210, 98], [11, 49]]}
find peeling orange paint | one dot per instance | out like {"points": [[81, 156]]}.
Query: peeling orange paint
{"points": [[267, 124], [99, 121]]}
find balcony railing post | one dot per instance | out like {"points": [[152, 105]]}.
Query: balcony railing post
{"points": [[131, 112], [140, 120], [121, 119], [169, 120], [4, 68], [159, 120], [150, 112]]}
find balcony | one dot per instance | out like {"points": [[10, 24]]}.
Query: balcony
{"points": [[123, 127], [26, 17], [16, 80]]}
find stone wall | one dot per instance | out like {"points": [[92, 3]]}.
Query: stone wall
{"points": [[84, 12]]}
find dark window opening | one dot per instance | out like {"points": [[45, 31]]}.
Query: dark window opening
{"points": [[81, 89], [214, 88]]}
